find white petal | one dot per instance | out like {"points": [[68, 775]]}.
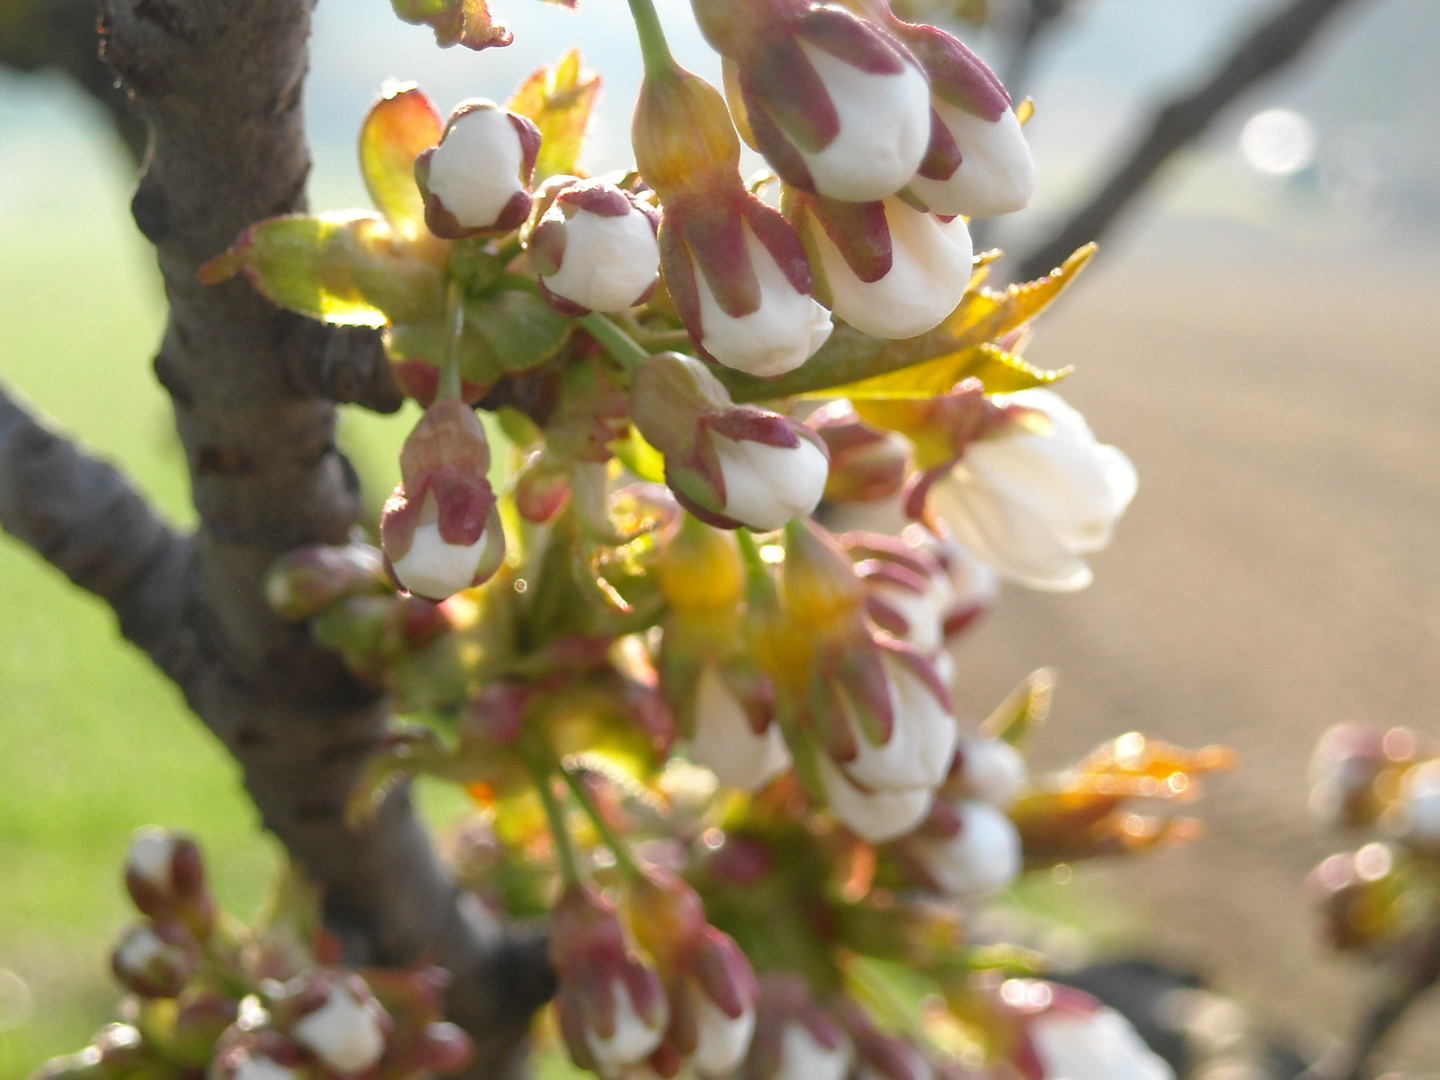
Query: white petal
{"points": [[993, 770], [996, 174], [725, 743], [152, 850], [802, 1058], [874, 816], [884, 129], [1100, 1046], [609, 262], [767, 486], [432, 568], [778, 336], [723, 1039], [260, 1067], [922, 742], [1010, 535], [475, 171], [929, 273], [984, 856], [343, 1033], [1420, 801], [633, 1041], [138, 949]]}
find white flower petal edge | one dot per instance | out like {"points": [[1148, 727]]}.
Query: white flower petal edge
{"points": [[432, 568], [259, 1067], [996, 174], [342, 1033], [778, 336], [723, 1039], [633, 1041], [767, 486], [929, 273], [884, 129], [152, 850], [802, 1058], [922, 741], [1032, 504], [475, 171], [992, 769], [874, 816], [983, 857], [609, 262], [725, 743], [1100, 1046]]}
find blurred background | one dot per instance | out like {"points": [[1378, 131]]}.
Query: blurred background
{"points": [[1261, 333]]}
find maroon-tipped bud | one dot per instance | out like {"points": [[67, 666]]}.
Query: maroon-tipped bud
{"points": [[595, 248], [477, 179], [260, 1055], [165, 876], [542, 489], [441, 529], [795, 1039], [155, 960], [334, 1016], [611, 1005], [309, 579], [866, 463]]}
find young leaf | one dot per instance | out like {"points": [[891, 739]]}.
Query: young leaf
{"points": [[455, 22], [286, 258], [400, 125], [508, 331], [559, 100], [1000, 372]]}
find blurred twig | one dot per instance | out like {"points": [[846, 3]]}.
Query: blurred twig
{"points": [[1265, 50]]}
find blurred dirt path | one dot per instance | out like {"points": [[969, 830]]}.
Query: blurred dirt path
{"points": [[1278, 572]]}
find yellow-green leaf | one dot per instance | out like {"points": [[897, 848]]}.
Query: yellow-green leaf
{"points": [[455, 22], [402, 124], [508, 331], [1001, 373], [559, 100]]}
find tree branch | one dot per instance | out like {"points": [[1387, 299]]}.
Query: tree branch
{"points": [[1269, 47], [60, 34]]}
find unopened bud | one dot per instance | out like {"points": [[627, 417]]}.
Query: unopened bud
{"points": [[309, 579], [155, 960], [476, 179], [596, 248], [701, 568], [866, 464], [339, 1021], [165, 876]]}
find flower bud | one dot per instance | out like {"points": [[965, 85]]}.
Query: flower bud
{"points": [[921, 742], [441, 530], [1068, 1035], [879, 1056], [155, 961], [1031, 504], [476, 179], [891, 271], [726, 740], [305, 581], [722, 995], [981, 856], [595, 248], [700, 568], [876, 816], [340, 1022], [728, 464], [990, 770], [866, 464], [794, 1038], [611, 1006], [266, 1055], [165, 877], [836, 105], [978, 163]]}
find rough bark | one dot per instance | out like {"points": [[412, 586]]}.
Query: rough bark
{"points": [[219, 84], [1265, 50]]}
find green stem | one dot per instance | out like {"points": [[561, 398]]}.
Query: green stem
{"points": [[623, 858], [617, 343], [750, 552], [450, 362], [654, 50], [540, 776]]}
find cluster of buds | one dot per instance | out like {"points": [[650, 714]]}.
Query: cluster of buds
{"points": [[215, 998], [1381, 899], [651, 990]]}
